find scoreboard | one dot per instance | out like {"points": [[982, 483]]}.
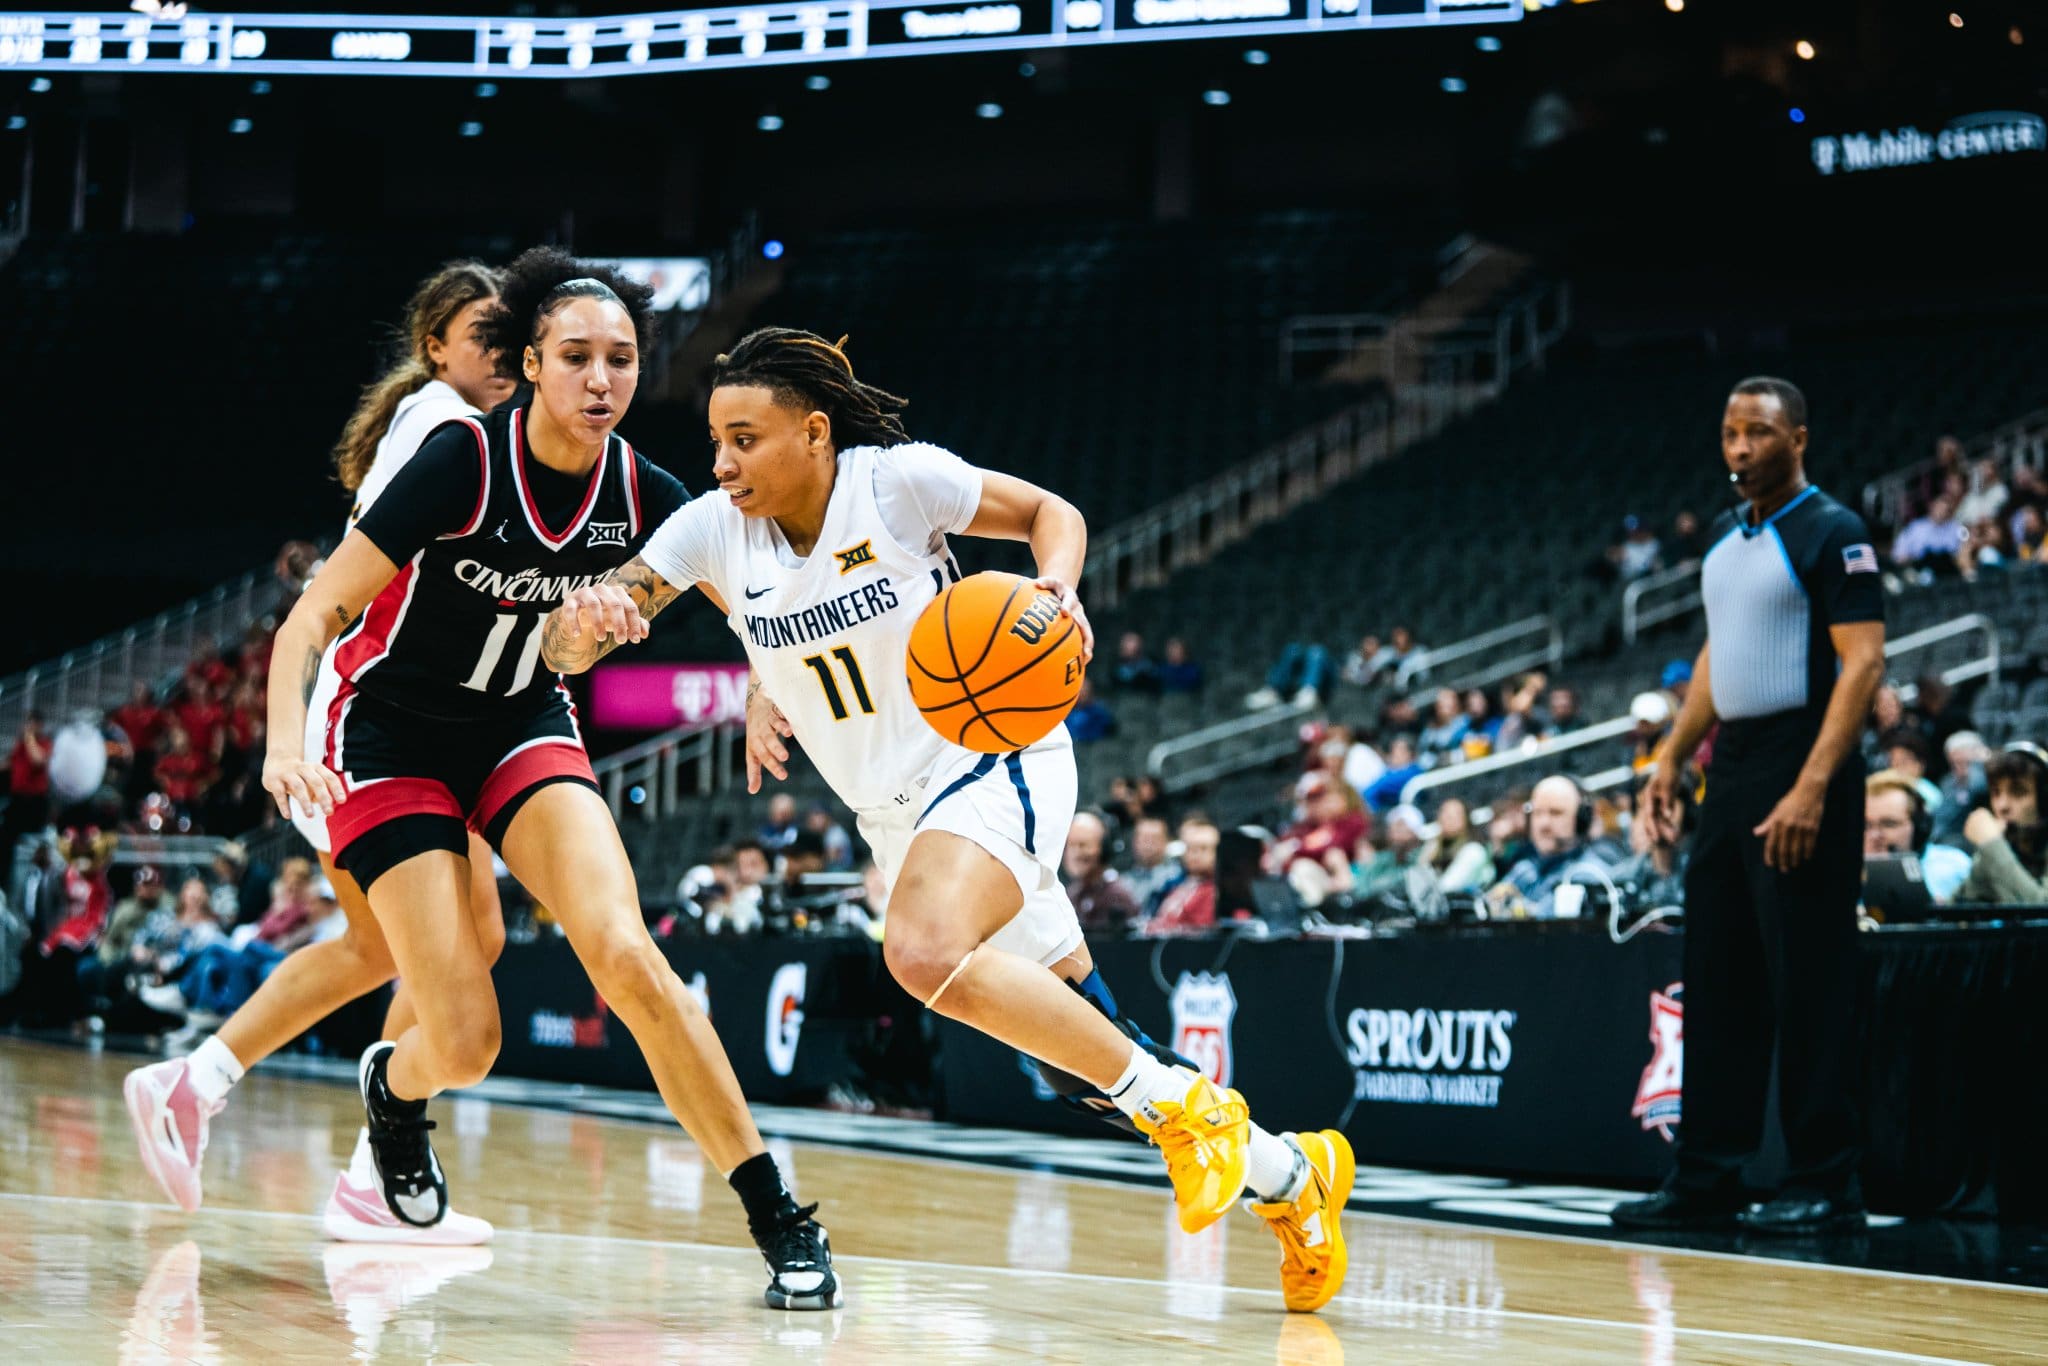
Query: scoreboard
{"points": [[678, 40]]}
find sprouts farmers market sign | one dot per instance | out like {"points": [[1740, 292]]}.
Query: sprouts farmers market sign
{"points": [[1998, 133], [655, 696]]}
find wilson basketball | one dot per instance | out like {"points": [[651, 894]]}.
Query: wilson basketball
{"points": [[994, 664]]}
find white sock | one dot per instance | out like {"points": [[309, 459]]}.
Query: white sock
{"points": [[1145, 1081], [214, 1070], [362, 1170], [1276, 1170]]}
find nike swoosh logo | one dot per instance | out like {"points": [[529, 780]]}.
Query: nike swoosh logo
{"points": [[752, 593]]}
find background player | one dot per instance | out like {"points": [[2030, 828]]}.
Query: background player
{"points": [[828, 541], [448, 373], [445, 722]]}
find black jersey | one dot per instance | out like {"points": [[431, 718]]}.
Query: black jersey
{"points": [[487, 541]]}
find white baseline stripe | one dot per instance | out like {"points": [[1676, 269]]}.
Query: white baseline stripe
{"points": [[1523, 1315]]}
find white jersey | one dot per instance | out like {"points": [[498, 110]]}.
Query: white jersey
{"points": [[828, 633], [415, 418]]}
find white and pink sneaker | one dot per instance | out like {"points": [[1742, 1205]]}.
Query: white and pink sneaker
{"points": [[170, 1117], [356, 1213]]}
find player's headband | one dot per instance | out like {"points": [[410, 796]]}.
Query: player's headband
{"points": [[587, 286]]}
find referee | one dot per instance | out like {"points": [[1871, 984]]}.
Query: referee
{"points": [[1794, 655]]}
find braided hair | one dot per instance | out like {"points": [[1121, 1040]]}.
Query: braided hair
{"points": [[538, 283], [803, 370]]}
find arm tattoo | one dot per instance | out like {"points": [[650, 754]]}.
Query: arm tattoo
{"points": [[565, 654], [309, 673]]}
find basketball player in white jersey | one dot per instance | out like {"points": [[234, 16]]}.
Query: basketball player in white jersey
{"points": [[448, 373], [827, 542]]}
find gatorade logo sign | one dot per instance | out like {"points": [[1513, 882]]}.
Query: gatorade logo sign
{"points": [[785, 1016], [1203, 1007]]}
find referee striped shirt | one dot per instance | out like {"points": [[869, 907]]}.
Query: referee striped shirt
{"points": [[1772, 590]]}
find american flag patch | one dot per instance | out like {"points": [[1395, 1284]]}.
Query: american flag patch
{"points": [[1859, 559]]}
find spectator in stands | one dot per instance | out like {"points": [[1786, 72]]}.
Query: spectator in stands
{"points": [[1652, 713], [1403, 767], [1189, 907], [1519, 722], [1676, 680], [1301, 674], [1455, 855], [208, 668], [120, 756], [1946, 471], [182, 773], [1564, 713], [1178, 673], [1937, 710], [1153, 871], [2029, 494], [1480, 723], [1637, 553], [2011, 839], [1361, 667], [243, 727], [142, 721], [223, 977], [1398, 849], [1507, 834], [1928, 544], [1887, 716], [1963, 787], [1987, 495], [1687, 541], [788, 898], [1135, 670], [237, 887], [1560, 827], [874, 894], [103, 975], [780, 828], [1443, 739], [1101, 901], [1351, 759], [203, 717], [1908, 753], [1398, 716], [1333, 820], [1091, 719], [838, 844], [28, 783], [1896, 821], [2029, 532], [741, 913]]}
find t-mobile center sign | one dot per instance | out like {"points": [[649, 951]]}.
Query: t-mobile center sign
{"points": [[656, 696]]}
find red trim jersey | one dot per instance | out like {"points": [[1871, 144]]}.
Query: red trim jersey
{"points": [[487, 542]]}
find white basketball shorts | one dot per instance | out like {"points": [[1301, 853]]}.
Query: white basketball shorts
{"points": [[1016, 806]]}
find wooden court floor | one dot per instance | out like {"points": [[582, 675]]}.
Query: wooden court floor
{"points": [[617, 1246]]}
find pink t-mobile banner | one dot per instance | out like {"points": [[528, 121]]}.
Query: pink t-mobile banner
{"points": [[655, 696]]}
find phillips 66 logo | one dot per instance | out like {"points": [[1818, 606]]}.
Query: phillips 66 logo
{"points": [[1203, 1005]]}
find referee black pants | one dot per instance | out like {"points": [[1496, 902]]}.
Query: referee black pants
{"points": [[1770, 957]]}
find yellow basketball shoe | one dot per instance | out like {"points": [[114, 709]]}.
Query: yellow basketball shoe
{"points": [[1312, 1260], [1204, 1140]]}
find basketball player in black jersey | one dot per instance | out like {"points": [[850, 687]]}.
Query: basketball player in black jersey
{"points": [[447, 720]]}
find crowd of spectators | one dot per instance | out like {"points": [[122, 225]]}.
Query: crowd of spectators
{"points": [[94, 944], [1967, 517]]}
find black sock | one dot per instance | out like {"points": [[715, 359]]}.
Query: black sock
{"points": [[758, 1182]]}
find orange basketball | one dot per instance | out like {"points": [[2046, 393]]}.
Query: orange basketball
{"points": [[994, 663]]}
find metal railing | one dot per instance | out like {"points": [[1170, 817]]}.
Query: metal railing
{"points": [[1663, 604], [1189, 528], [1985, 665], [1228, 747], [650, 778], [98, 675], [2022, 441], [1982, 665], [1543, 752], [1429, 350], [1540, 641]]}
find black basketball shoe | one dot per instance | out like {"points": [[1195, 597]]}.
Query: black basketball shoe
{"points": [[799, 1256], [407, 1170]]}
